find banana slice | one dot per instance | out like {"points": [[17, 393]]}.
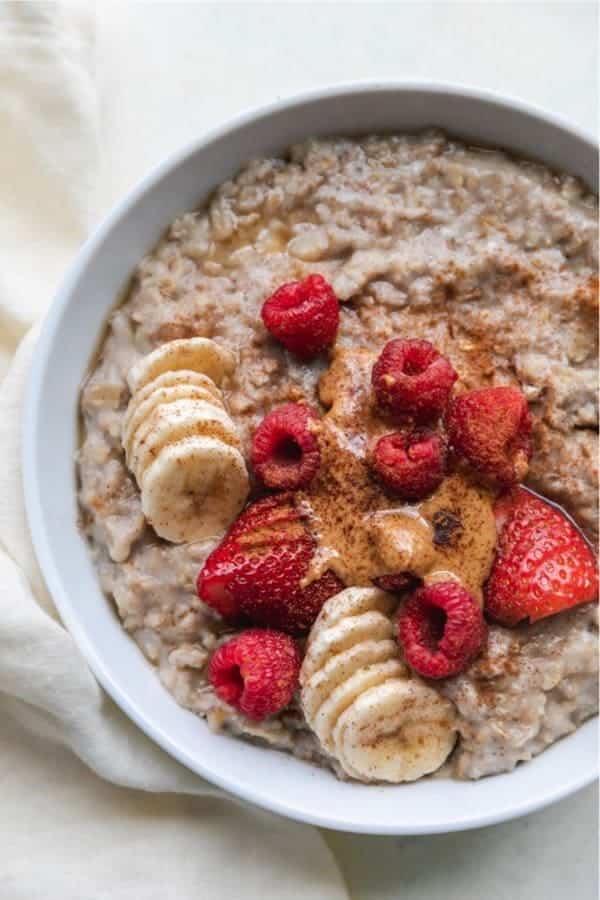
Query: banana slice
{"points": [[194, 489], [378, 721], [199, 354], [398, 730], [353, 602], [171, 422], [341, 667], [328, 642], [346, 693], [139, 412], [180, 442], [176, 378]]}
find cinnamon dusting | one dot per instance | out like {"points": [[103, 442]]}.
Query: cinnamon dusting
{"points": [[361, 533]]}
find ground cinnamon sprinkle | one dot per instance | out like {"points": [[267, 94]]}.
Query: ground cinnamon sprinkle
{"points": [[361, 532]]}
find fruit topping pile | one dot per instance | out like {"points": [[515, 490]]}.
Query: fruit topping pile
{"points": [[358, 697], [489, 429], [180, 443], [259, 577]]}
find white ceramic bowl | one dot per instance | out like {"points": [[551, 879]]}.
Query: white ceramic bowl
{"points": [[69, 336]]}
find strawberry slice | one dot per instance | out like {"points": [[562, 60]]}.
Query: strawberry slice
{"points": [[543, 564], [255, 573]]}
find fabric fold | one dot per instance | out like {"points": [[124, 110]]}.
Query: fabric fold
{"points": [[175, 835]]}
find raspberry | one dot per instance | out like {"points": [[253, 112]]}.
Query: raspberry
{"points": [[303, 315], [543, 564], [441, 629], [410, 465], [285, 452], [255, 573], [256, 672], [491, 428], [410, 378]]}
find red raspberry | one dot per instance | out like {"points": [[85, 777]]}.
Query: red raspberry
{"points": [[491, 428], [411, 465], [543, 564], [303, 315], [256, 672], [255, 572], [411, 378], [285, 452], [441, 629]]}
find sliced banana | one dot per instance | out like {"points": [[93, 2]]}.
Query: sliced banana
{"points": [[139, 411], [194, 489], [171, 422], [380, 722], [176, 378], [180, 442], [353, 602], [347, 693], [199, 354], [331, 642], [340, 668], [398, 730]]}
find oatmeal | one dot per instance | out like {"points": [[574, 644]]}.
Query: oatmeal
{"points": [[492, 260]]}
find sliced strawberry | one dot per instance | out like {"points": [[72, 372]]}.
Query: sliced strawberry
{"points": [[256, 571], [543, 564]]}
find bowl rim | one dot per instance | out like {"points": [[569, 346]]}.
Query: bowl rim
{"points": [[31, 484]]}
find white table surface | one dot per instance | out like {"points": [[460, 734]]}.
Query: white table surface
{"points": [[205, 62]]}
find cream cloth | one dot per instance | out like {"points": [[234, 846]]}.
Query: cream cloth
{"points": [[66, 834]]}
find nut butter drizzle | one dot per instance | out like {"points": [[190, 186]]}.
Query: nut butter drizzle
{"points": [[360, 532]]}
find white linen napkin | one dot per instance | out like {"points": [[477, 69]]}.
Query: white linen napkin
{"points": [[88, 838]]}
